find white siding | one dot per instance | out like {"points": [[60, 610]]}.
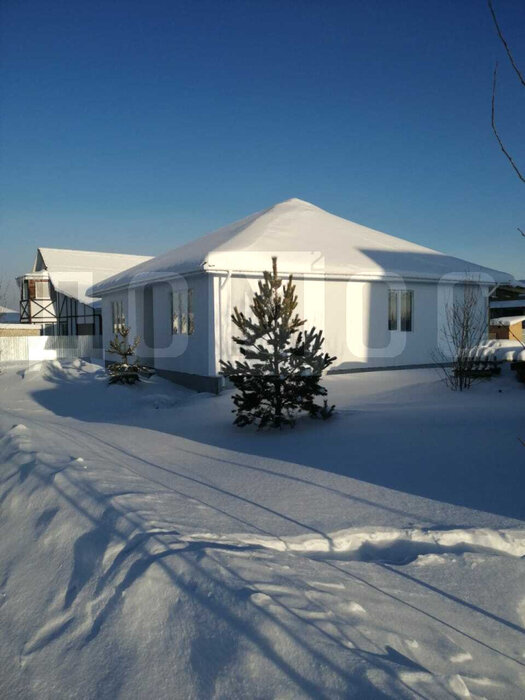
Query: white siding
{"points": [[147, 311], [182, 352], [354, 318]]}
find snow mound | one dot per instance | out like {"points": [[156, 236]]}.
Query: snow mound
{"points": [[60, 369], [501, 351], [393, 545]]}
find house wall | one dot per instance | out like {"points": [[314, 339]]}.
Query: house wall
{"points": [[107, 320], [181, 357], [54, 312], [512, 332], [74, 317], [354, 318], [181, 353]]}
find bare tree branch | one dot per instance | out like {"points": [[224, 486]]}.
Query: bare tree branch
{"points": [[494, 129], [463, 330], [507, 49]]}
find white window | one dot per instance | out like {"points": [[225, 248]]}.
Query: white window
{"points": [[117, 315], [401, 310], [182, 316], [41, 289]]}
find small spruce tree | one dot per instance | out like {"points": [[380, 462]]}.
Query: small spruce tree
{"points": [[282, 364], [125, 371]]}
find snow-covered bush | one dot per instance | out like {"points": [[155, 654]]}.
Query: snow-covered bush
{"points": [[282, 366]]}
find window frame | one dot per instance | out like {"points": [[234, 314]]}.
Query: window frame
{"points": [[401, 302], [393, 309], [118, 318], [181, 311], [406, 311]]}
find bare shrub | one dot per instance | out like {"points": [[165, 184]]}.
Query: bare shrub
{"points": [[463, 330]]}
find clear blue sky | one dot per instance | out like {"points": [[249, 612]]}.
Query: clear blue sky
{"points": [[134, 126]]}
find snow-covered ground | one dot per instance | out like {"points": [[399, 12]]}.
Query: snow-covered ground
{"points": [[149, 549]]}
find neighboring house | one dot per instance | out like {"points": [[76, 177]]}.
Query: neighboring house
{"points": [[505, 304], [53, 295], [380, 300]]}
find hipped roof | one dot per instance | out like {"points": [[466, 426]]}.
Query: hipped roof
{"points": [[307, 240]]}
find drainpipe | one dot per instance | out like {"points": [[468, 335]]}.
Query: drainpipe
{"points": [[222, 284]]}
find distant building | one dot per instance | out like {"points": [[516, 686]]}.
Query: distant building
{"points": [[508, 304], [53, 295]]}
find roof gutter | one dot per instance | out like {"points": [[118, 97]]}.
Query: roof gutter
{"points": [[357, 277]]}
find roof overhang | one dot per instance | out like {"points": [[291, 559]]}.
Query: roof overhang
{"points": [[146, 278]]}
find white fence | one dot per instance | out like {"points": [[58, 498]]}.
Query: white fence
{"points": [[46, 347]]}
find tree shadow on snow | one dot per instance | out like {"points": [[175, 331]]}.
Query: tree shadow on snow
{"points": [[458, 455]]}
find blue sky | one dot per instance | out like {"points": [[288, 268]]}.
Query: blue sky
{"points": [[135, 126]]}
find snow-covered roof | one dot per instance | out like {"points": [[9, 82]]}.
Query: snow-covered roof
{"points": [[506, 320], [508, 303], [8, 316], [307, 240], [72, 272]]}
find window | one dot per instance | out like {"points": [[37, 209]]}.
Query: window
{"points": [[400, 310], [182, 316], [41, 289], [85, 329], [191, 317], [117, 315], [392, 310], [407, 305]]}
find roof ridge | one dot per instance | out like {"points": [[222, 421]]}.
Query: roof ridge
{"points": [[96, 252]]}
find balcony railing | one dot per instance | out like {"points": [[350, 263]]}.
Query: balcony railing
{"points": [[32, 310]]}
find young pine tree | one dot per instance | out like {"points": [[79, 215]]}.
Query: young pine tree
{"points": [[282, 365], [126, 371]]}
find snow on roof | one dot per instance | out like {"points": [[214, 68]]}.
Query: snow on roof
{"points": [[306, 239], [506, 320], [518, 303], [8, 316], [72, 272]]}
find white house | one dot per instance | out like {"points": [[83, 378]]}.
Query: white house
{"points": [[381, 300], [53, 294]]}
